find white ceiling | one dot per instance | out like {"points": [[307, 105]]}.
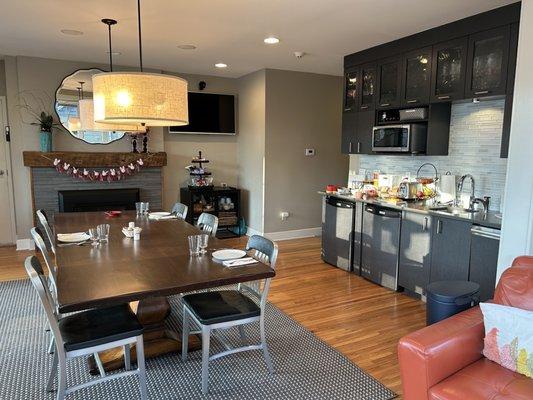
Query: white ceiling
{"points": [[231, 31]]}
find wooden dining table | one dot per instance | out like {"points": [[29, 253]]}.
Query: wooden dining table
{"points": [[141, 273]]}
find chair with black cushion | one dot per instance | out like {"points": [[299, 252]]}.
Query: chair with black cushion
{"points": [[208, 223], [225, 309], [180, 210], [43, 219], [88, 332]]}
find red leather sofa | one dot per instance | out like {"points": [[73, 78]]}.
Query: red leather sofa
{"points": [[444, 361]]}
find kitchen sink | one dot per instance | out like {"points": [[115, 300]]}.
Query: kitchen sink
{"points": [[455, 210]]}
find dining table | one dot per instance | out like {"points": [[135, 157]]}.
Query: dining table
{"points": [[142, 273]]}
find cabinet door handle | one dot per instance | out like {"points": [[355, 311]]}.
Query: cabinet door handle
{"points": [[364, 107], [443, 97], [412, 101], [482, 92], [350, 147], [385, 104], [358, 147], [439, 226], [425, 226]]}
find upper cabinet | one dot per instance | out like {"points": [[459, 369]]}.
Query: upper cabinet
{"points": [[488, 57], [417, 77], [389, 82], [449, 70], [351, 90], [368, 89]]}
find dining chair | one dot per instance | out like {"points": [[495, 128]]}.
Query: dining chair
{"points": [[43, 219], [180, 210], [208, 223], [230, 308], [88, 332]]}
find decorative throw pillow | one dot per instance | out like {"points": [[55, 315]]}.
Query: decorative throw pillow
{"points": [[509, 337]]}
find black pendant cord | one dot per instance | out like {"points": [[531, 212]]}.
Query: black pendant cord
{"points": [[140, 41], [110, 49]]}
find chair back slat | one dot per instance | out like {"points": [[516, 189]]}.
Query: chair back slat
{"points": [[52, 272], [38, 280], [43, 219], [208, 223], [180, 210]]}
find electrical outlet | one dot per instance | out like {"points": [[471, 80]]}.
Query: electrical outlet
{"points": [[309, 152], [284, 215]]}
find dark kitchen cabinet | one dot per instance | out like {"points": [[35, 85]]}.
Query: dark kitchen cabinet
{"points": [[415, 247], [417, 77], [488, 57], [368, 82], [357, 236], [389, 82], [349, 133], [450, 249], [506, 131], [351, 90], [365, 123], [484, 260], [449, 70]]}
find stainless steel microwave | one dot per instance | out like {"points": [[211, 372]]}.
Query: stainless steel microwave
{"points": [[405, 138]]}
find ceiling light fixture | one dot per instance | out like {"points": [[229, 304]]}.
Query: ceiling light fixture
{"points": [[150, 99], [71, 32], [221, 65], [271, 40], [187, 47]]}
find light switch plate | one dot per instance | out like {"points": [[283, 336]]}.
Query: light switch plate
{"points": [[309, 152]]}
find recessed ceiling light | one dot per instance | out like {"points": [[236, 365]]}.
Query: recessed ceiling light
{"points": [[271, 40], [186, 46], [221, 65], [72, 32]]}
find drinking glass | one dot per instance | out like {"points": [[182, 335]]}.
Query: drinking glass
{"points": [[193, 245], [138, 208], [146, 208], [93, 234], [103, 232], [203, 242]]}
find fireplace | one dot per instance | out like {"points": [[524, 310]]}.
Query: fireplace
{"points": [[98, 199]]}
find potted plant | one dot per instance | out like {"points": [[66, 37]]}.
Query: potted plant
{"points": [[46, 124]]}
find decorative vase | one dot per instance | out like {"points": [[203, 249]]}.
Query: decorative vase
{"points": [[46, 141]]}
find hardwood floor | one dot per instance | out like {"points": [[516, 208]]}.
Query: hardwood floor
{"points": [[358, 318]]}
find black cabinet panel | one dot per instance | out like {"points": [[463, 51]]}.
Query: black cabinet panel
{"points": [[368, 89], [513, 49], [389, 82], [357, 232], [450, 249], [365, 123], [349, 133], [488, 56], [449, 70], [417, 77], [351, 90], [484, 264], [415, 246]]}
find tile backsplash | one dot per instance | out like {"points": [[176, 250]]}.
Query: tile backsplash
{"points": [[475, 136]]}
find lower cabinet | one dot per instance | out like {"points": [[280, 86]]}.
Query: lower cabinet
{"points": [[415, 248], [357, 237], [450, 249], [484, 260]]}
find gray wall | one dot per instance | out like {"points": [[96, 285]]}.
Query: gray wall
{"points": [[475, 140], [303, 110], [3, 90]]}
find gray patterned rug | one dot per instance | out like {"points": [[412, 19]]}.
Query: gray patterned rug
{"points": [[305, 367]]}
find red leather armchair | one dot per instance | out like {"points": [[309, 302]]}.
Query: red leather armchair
{"points": [[444, 361]]}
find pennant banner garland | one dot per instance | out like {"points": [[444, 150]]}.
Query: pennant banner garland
{"points": [[109, 175]]}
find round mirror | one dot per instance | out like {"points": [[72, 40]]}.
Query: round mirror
{"points": [[76, 90]]}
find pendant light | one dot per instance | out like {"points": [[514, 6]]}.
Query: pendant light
{"points": [[149, 99], [74, 122]]}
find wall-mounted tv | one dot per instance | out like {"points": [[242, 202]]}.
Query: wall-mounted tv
{"points": [[209, 114]]}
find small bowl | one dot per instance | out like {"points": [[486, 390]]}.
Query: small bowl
{"points": [[129, 232]]}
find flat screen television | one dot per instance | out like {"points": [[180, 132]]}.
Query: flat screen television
{"points": [[209, 114]]}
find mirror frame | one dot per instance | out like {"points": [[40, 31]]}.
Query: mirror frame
{"points": [[58, 118]]}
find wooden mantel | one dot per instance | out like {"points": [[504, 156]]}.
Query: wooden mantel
{"points": [[86, 159]]}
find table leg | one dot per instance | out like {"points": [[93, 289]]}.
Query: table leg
{"points": [[152, 313]]}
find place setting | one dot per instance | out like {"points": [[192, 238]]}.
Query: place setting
{"points": [[95, 236]]}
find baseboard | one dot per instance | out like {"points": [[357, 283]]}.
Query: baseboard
{"points": [[251, 231], [25, 244], [294, 234]]}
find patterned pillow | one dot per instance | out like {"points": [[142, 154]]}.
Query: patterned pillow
{"points": [[509, 337]]}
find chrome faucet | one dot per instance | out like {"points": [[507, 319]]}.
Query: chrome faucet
{"points": [[472, 191]]}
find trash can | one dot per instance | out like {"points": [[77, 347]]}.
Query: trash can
{"points": [[446, 298]]}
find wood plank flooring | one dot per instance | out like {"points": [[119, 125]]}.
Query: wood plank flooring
{"points": [[358, 318]]}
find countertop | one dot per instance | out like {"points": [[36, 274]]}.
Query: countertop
{"points": [[488, 219]]}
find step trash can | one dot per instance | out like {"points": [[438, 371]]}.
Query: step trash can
{"points": [[446, 298]]}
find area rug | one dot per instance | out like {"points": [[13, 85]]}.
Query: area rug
{"points": [[305, 367]]}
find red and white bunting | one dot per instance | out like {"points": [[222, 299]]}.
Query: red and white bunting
{"points": [[109, 175]]}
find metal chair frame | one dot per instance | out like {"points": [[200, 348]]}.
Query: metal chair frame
{"points": [[265, 251], [180, 210], [208, 223], [61, 355], [43, 219]]}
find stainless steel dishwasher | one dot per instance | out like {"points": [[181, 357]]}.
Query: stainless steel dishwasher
{"points": [[337, 232], [381, 245]]}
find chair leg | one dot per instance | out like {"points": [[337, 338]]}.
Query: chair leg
{"points": [[206, 333], [127, 357], [244, 339], [185, 334], [99, 364], [266, 354], [53, 372], [51, 346], [141, 367], [62, 384]]}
